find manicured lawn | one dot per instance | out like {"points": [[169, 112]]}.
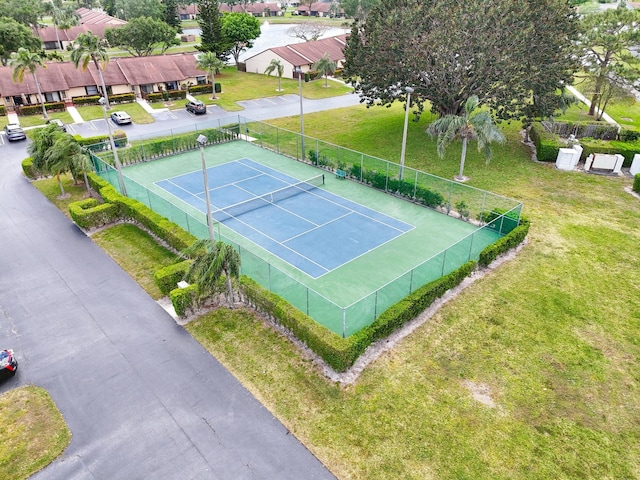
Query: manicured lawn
{"points": [[50, 188], [32, 430], [136, 252], [35, 120], [237, 86], [95, 112], [551, 336]]}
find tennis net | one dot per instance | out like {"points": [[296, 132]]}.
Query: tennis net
{"points": [[270, 198]]}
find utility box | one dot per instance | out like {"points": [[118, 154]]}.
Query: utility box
{"points": [[635, 165], [568, 158]]}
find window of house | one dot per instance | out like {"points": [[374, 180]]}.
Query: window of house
{"points": [[91, 90], [202, 79], [171, 85], [146, 88], [52, 96]]}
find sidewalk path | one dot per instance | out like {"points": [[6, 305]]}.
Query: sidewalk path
{"points": [[73, 111]]}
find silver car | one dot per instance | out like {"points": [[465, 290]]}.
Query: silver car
{"points": [[14, 132], [120, 117]]}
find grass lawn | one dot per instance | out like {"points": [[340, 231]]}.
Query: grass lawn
{"points": [[551, 336], [237, 86], [136, 252], [32, 430], [95, 112]]}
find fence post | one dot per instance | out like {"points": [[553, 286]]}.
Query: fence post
{"points": [[344, 322]]}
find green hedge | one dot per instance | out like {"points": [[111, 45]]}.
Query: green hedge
{"points": [[122, 98], [218, 87], [547, 144], [197, 89], [37, 108], [636, 183], [168, 277], [101, 142], [90, 213], [514, 238], [626, 149], [3, 110], [27, 168], [183, 299], [87, 100]]}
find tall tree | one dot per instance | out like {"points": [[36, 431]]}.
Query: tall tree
{"points": [[210, 21], [141, 35], [63, 17], [14, 35], [27, 12], [471, 124], [275, 66], [130, 9], [448, 51], [24, 61], [89, 48], [325, 66], [603, 46], [209, 62], [65, 155], [171, 16], [240, 30], [307, 31], [210, 262], [43, 139]]}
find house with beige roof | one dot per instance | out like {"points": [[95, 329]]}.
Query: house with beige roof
{"points": [[303, 55], [61, 82]]}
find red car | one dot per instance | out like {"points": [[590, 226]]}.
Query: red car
{"points": [[8, 364]]}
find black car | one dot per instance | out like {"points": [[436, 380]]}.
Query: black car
{"points": [[196, 106], [58, 122], [8, 364], [14, 132]]}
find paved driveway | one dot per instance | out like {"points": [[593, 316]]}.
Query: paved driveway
{"points": [[141, 397]]}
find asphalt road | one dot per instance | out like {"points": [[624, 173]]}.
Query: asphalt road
{"points": [[142, 398]]}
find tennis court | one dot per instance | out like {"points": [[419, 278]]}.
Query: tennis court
{"points": [[285, 216], [341, 252]]}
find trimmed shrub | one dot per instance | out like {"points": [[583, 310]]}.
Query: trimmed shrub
{"points": [[636, 183], [176, 94], [218, 87], [168, 277], [547, 145], [183, 299], [122, 98], [90, 213], [87, 100], [27, 168], [196, 89], [3, 110], [36, 109], [629, 135], [511, 240], [626, 149], [154, 97]]}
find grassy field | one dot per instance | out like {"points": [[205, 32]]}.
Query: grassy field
{"points": [[551, 337], [32, 430]]}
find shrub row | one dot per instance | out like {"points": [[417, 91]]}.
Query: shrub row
{"points": [[196, 89], [514, 238], [35, 109], [90, 213], [169, 146], [626, 149], [183, 299], [101, 142], [130, 209], [166, 95], [636, 183], [87, 100], [3, 110], [547, 144]]}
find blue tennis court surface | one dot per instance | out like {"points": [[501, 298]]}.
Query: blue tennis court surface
{"points": [[314, 230]]}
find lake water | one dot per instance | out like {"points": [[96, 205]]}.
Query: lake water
{"points": [[272, 36]]}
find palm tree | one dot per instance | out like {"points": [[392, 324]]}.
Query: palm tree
{"points": [[209, 62], [472, 124], [91, 48], [65, 155], [210, 261], [275, 65], [62, 16], [325, 66], [22, 61]]}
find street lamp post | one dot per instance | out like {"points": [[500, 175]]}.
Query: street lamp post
{"points": [[299, 72], [202, 140], [409, 91], [123, 189]]}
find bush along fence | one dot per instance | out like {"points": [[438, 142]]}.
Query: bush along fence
{"points": [[548, 143], [340, 352], [137, 151]]}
